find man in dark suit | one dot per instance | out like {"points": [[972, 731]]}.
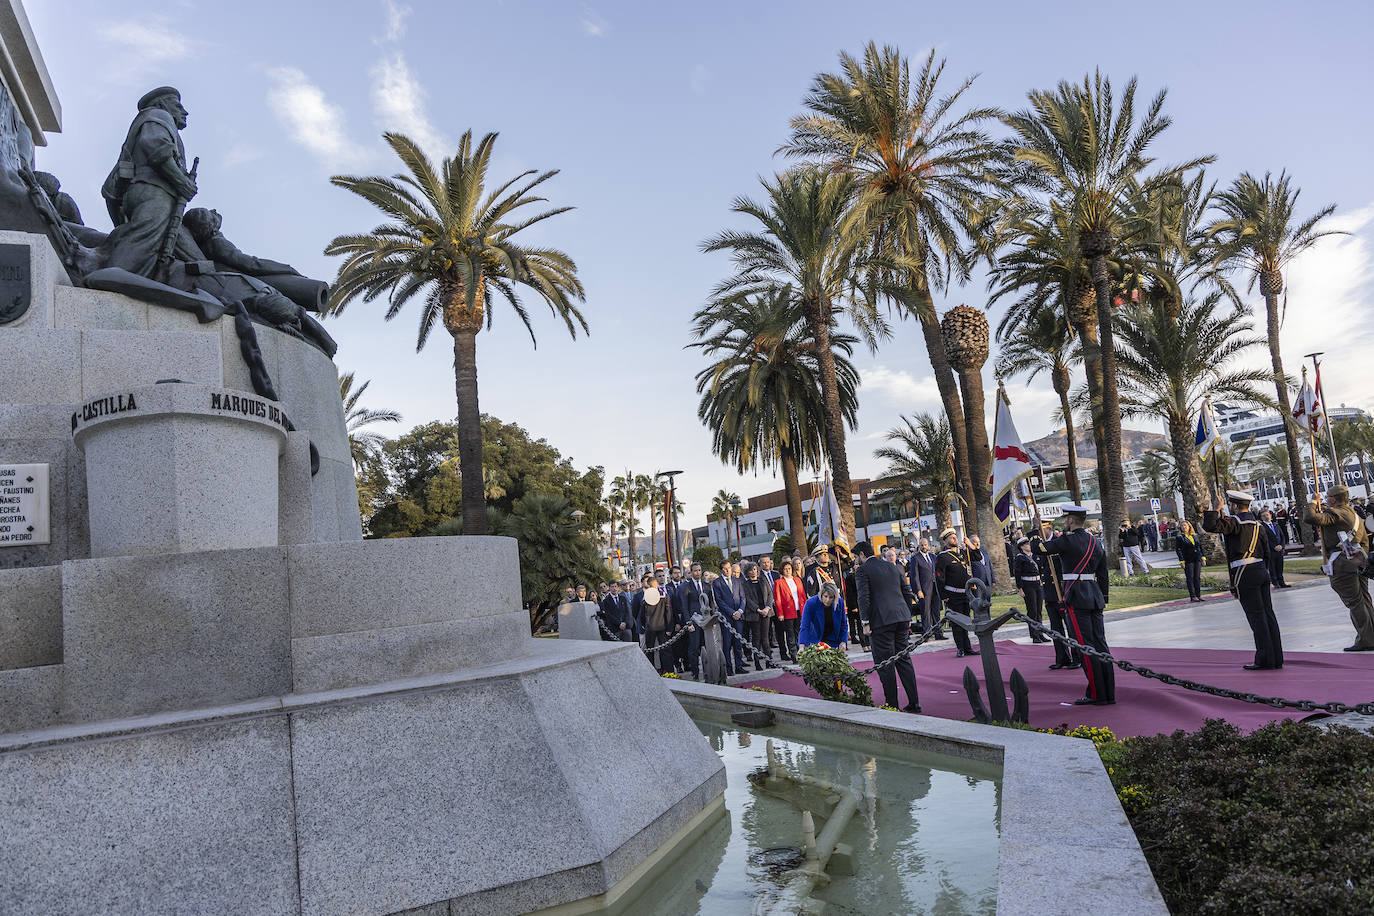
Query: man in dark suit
{"points": [[885, 601], [723, 596], [695, 595], [921, 575], [1275, 538], [615, 608]]}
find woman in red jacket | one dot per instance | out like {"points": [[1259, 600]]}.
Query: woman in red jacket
{"points": [[788, 598]]}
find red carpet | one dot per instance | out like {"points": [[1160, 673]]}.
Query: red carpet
{"points": [[1144, 706]]}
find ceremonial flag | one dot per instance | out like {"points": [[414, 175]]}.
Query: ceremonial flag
{"points": [[1010, 463], [828, 518], [1307, 412], [1207, 438]]}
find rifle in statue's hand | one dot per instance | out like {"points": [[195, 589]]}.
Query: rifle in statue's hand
{"points": [[169, 241]]}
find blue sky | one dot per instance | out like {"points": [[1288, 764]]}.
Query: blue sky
{"points": [[658, 115]]}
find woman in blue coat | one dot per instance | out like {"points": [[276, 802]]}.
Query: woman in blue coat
{"points": [[823, 619]]}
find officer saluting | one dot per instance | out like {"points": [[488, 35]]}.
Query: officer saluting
{"points": [[1052, 577], [1247, 554], [1085, 598], [953, 569]]}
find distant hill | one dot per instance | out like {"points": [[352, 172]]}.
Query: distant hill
{"points": [[1054, 448]]}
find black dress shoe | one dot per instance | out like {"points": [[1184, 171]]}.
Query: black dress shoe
{"points": [[912, 707], [1358, 649], [961, 653], [939, 636], [1258, 667], [1087, 701], [1056, 666]]}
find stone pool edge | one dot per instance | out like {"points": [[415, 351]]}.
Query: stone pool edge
{"points": [[1066, 844]]}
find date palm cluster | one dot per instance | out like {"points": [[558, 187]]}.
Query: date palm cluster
{"points": [[1108, 266]]}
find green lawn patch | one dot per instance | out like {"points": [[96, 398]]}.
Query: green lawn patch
{"points": [[1121, 596]]}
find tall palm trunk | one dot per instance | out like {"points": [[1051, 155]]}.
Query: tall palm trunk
{"points": [[980, 458], [796, 515], [1062, 382], [944, 518], [463, 318], [630, 533], [949, 394], [1192, 483], [469, 432], [1111, 479], [1271, 290], [1083, 317], [820, 312]]}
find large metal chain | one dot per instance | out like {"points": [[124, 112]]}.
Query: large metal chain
{"points": [[1333, 707]]}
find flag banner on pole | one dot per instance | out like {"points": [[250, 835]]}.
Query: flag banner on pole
{"points": [[1207, 438], [1308, 410], [828, 519], [1010, 463], [954, 476]]}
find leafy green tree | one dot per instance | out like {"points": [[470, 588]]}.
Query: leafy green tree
{"points": [[709, 556], [453, 240], [918, 464], [801, 247], [1088, 155], [1355, 439], [761, 396], [920, 163], [1258, 233], [630, 492], [1272, 462], [418, 484]]}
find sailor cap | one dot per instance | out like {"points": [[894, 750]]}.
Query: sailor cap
{"points": [[1239, 496]]}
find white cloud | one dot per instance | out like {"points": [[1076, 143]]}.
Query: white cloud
{"points": [[593, 24], [699, 79], [399, 102], [144, 47], [1329, 309], [311, 119], [900, 386], [396, 15]]}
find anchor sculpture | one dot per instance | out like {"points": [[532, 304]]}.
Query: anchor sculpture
{"points": [[980, 623]]}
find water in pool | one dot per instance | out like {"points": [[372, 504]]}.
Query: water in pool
{"points": [[924, 833]]}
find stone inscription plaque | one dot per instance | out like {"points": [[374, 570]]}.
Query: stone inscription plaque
{"points": [[24, 505], [15, 287]]}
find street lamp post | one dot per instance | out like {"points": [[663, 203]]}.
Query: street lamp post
{"points": [[670, 518]]}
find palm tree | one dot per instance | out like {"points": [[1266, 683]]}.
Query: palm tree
{"points": [[801, 248], [1272, 462], [1169, 365], [920, 166], [1044, 343], [918, 463], [362, 444], [1156, 466], [1257, 232], [1355, 439], [628, 493], [1088, 155], [965, 331], [723, 507], [762, 398], [451, 239]]}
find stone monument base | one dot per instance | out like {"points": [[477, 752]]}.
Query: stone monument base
{"points": [[502, 789]]}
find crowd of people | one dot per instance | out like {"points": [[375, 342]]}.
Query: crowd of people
{"points": [[750, 616]]}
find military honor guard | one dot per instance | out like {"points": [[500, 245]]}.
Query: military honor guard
{"points": [[1247, 555], [1052, 587], [1085, 598], [1026, 572], [1345, 544], [953, 569]]}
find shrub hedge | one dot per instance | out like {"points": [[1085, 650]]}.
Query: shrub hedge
{"points": [[1276, 822]]}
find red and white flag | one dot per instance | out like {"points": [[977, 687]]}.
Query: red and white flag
{"points": [[1307, 412], [1010, 463]]}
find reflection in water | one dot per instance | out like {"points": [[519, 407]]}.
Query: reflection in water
{"points": [[924, 839]]}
